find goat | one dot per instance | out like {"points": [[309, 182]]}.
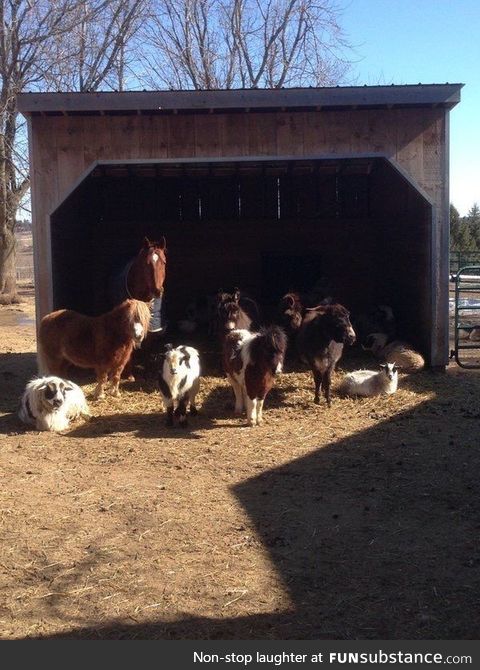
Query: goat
{"points": [[324, 331], [179, 382], [369, 383], [401, 353]]}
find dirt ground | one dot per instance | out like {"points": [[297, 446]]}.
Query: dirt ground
{"points": [[357, 522]]}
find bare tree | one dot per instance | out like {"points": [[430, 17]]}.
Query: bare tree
{"points": [[100, 49], [205, 44], [51, 45]]}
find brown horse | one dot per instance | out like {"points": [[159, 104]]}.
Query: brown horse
{"points": [[145, 274], [142, 279], [104, 343]]}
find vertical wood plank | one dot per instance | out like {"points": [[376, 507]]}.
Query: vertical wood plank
{"points": [[181, 141], [153, 136], [262, 136], [44, 195], [289, 127], [70, 144], [234, 135], [97, 139], [315, 129], [410, 125], [208, 135]]}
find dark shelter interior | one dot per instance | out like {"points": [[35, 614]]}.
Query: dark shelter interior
{"points": [[356, 226]]}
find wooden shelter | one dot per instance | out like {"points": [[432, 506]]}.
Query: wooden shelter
{"points": [[265, 189]]}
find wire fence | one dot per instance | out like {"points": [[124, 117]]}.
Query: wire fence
{"points": [[25, 273]]}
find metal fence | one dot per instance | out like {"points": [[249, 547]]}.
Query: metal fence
{"points": [[460, 259]]}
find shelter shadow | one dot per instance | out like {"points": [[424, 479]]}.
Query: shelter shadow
{"points": [[373, 537]]}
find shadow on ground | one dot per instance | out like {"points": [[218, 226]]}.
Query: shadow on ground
{"points": [[15, 371], [374, 536]]}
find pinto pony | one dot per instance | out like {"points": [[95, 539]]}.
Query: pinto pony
{"points": [[251, 361], [104, 343]]}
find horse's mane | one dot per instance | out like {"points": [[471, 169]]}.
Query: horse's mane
{"points": [[270, 343], [134, 311]]}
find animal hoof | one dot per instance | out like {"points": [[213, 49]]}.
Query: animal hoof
{"points": [[130, 378], [193, 411]]}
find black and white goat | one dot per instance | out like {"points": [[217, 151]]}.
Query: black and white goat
{"points": [[179, 381], [369, 383]]}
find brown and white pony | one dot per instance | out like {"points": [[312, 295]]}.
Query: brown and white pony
{"points": [[104, 343], [251, 361]]}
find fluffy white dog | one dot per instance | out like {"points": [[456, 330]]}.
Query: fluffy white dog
{"points": [[49, 403]]}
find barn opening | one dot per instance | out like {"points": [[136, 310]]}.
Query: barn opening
{"points": [[355, 226]]}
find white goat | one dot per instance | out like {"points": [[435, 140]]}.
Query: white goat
{"points": [[370, 383], [398, 352], [179, 381]]}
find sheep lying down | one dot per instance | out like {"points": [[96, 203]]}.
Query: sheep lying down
{"points": [[370, 383], [398, 352]]}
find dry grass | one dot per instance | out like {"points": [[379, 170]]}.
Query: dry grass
{"points": [[356, 522]]}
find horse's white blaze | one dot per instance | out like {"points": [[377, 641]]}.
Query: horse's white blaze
{"points": [[279, 369], [230, 325], [138, 329], [154, 258]]}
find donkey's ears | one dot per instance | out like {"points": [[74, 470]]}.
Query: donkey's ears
{"points": [[290, 300]]}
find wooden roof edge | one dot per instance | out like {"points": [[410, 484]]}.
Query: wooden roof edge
{"points": [[428, 95]]}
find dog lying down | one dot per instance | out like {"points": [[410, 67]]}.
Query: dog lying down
{"points": [[50, 403]]}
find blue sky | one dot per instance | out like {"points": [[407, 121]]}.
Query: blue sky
{"points": [[432, 42]]}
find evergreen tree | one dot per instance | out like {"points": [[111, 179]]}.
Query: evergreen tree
{"points": [[454, 227]]}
